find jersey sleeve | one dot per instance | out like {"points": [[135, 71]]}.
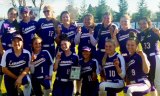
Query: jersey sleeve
{"points": [[122, 62], [3, 61], [50, 58], [76, 60]]}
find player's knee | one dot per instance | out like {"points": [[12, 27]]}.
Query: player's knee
{"points": [[127, 90], [102, 87]]}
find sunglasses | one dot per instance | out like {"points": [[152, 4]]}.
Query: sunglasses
{"points": [[46, 11]]}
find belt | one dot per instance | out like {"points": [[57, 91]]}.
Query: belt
{"points": [[153, 54], [62, 79], [102, 50], [48, 45], [40, 77], [139, 80], [124, 54]]}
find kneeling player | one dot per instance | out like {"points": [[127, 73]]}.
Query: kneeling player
{"points": [[113, 71], [137, 68], [42, 64]]}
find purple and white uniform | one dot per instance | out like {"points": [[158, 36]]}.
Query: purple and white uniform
{"points": [[70, 32], [63, 86], [122, 37], [43, 67], [16, 65], [114, 80], [6, 33], [28, 31], [102, 34], [149, 41], [47, 33], [139, 84], [85, 39]]}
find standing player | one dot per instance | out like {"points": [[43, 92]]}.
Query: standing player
{"points": [[15, 66], [86, 36], [47, 30], [88, 73], [8, 28], [149, 38], [137, 68], [43, 67], [28, 27], [105, 31], [63, 86], [67, 27], [123, 35], [113, 71]]}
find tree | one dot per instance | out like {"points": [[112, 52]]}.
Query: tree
{"points": [[73, 11], [123, 7], [23, 3], [91, 10], [143, 10], [101, 9], [83, 11]]}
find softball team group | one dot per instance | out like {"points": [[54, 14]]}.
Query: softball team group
{"points": [[32, 50]]}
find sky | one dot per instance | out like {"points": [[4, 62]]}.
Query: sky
{"points": [[59, 5]]}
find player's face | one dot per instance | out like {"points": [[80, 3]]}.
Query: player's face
{"points": [[65, 18], [37, 44], [17, 44], [131, 46], [107, 19], [124, 22], [88, 21], [143, 24], [86, 54], [25, 15], [47, 12], [65, 45], [109, 48], [12, 15]]}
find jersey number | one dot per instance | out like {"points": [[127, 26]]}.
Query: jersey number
{"points": [[147, 45], [50, 33], [133, 72], [112, 73]]}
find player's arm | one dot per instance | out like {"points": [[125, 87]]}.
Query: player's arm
{"points": [[78, 35], [58, 58], [120, 70], [58, 34], [5, 69], [9, 73], [92, 39], [145, 62]]}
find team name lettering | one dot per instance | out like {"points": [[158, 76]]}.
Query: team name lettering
{"points": [[131, 62], [45, 26], [39, 61], [123, 37], [29, 29], [16, 64]]}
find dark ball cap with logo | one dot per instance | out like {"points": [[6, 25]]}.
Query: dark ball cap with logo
{"points": [[17, 36], [24, 10], [86, 48]]}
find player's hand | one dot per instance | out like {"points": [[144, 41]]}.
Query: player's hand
{"points": [[79, 30], [48, 77], [58, 56], [33, 56], [116, 62], [18, 82], [141, 53], [156, 30], [91, 31], [94, 76]]}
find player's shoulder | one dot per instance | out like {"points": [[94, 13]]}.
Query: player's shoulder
{"points": [[26, 51], [45, 52], [94, 60], [75, 55], [134, 30], [8, 51]]}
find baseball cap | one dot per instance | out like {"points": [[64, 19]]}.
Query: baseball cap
{"points": [[24, 9], [17, 36], [86, 48]]}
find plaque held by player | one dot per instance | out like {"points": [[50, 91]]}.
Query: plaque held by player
{"points": [[75, 73]]}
